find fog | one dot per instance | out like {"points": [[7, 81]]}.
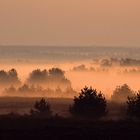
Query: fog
{"points": [[75, 76]]}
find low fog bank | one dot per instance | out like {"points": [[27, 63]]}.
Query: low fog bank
{"points": [[67, 79], [104, 65], [50, 83], [38, 91]]}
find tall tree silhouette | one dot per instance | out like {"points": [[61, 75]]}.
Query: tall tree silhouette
{"points": [[89, 103]]}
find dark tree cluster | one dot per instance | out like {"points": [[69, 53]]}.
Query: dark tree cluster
{"points": [[52, 78], [121, 62], [83, 68], [31, 90], [37, 81], [121, 93], [89, 104], [9, 78], [133, 106]]}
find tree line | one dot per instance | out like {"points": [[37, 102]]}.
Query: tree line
{"points": [[54, 77], [91, 104]]}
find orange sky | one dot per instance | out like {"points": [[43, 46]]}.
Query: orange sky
{"points": [[70, 22]]}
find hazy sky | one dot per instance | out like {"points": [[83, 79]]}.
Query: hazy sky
{"points": [[70, 22]]}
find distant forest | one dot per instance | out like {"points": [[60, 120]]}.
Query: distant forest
{"points": [[50, 83]]}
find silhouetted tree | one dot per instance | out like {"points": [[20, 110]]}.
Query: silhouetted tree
{"points": [[9, 78], [41, 108], [38, 76], [121, 93], [56, 72], [133, 106], [58, 79], [89, 104], [52, 78]]}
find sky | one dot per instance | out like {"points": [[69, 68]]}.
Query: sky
{"points": [[70, 22]]}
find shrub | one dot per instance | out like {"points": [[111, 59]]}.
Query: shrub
{"points": [[41, 108]]}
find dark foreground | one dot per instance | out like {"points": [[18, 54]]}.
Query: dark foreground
{"points": [[60, 128]]}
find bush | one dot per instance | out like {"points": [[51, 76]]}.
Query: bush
{"points": [[41, 108], [133, 106], [89, 103]]}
